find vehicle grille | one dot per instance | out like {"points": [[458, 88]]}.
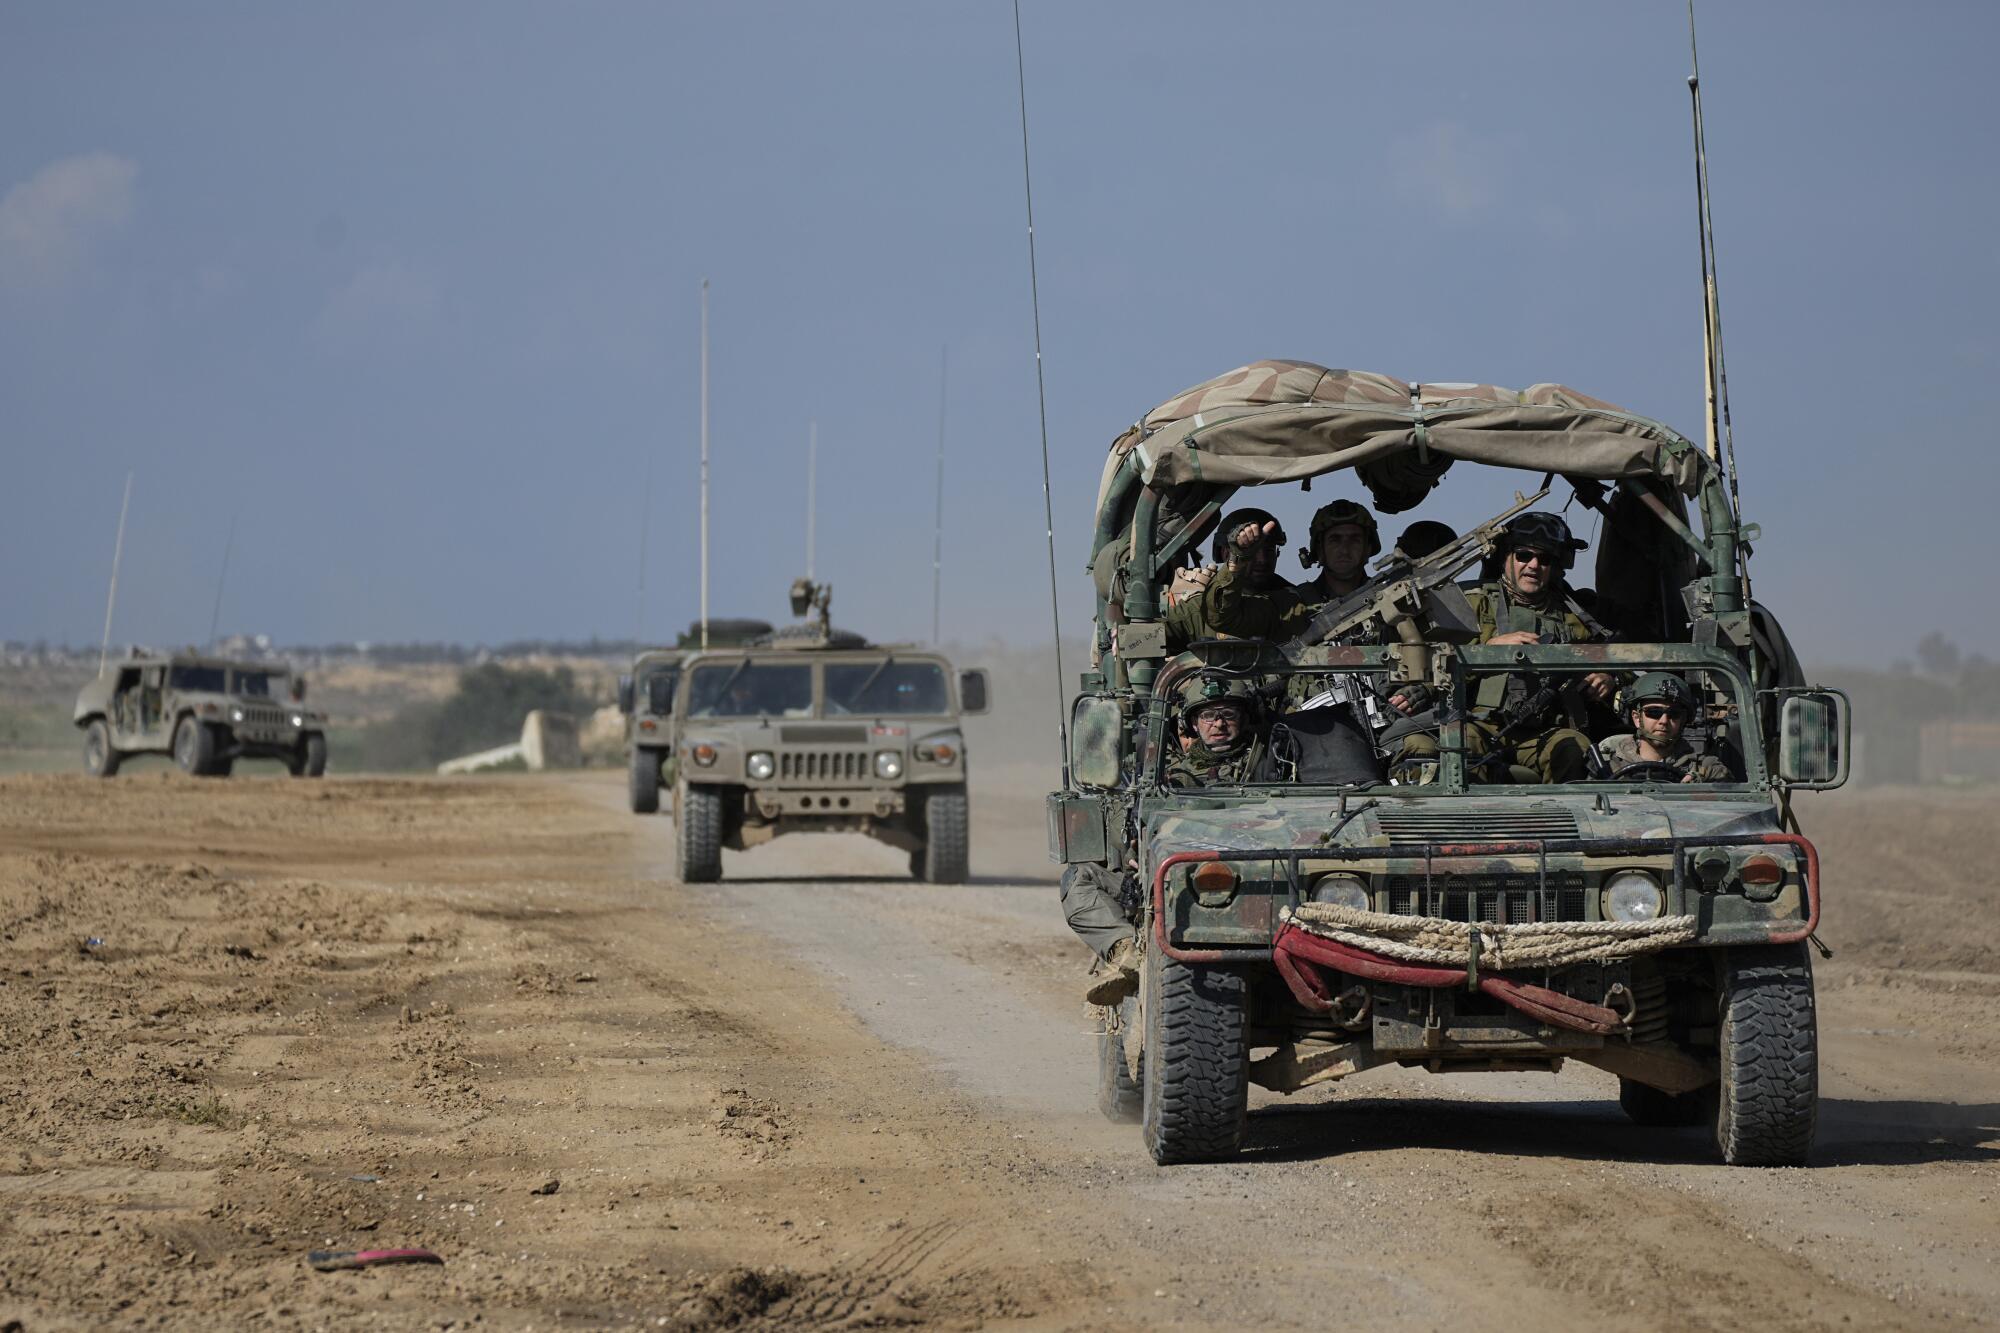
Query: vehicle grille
{"points": [[264, 717], [847, 766], [1508, 900], [1488, 826]]}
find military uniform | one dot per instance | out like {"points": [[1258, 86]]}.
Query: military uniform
{"points": [[1624, 750], [1199, 766]]}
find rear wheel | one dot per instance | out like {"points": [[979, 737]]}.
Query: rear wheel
{"points": [[1196, 1072], [100, 756], [947, 850], [1768, 1102], [1119, 1095], [194, 747], [644, 784], [698, 835], [315, 755], [1647, 1105]]}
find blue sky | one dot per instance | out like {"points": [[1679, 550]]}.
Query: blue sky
{"points": [[411, 291]]}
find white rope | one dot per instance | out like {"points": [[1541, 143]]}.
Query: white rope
{"points": [[1535, 944]]}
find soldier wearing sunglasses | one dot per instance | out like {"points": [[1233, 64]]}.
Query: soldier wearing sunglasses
{"points": [[1660, 706]]}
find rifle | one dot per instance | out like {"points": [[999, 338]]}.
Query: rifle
{"points": [[1414, 601]]}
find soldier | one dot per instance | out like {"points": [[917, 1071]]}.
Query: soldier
{"points": [[1247, 600], [1342, 541], [1245, 550], [1095, 912], [1659, 706], [1421, 538], [1222, 741], [1516, 718]]}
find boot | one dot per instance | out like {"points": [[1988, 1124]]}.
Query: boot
{"points": [[1118, 976]]}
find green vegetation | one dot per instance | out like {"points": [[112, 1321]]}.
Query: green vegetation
{"points": [[486, 710], [210, 1111]]}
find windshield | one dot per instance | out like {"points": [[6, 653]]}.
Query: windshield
{"points": [[751, 689], [196, 678], [887, 686], [260, 684]]}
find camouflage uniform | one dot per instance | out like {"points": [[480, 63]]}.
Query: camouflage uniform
{"points": [[1624, 750], [1199, 766]]}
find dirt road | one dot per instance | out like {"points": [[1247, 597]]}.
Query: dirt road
{"points": [[246, 1020]]}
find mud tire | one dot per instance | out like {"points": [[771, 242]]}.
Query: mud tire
{"points": [[1195, 1079], [315, 755], [1119, 1096], [947, 852], [1767, 1104], [644, 783], [100, 756], [1647, 1105], [194, 747], [221, 768], [698, 819]]}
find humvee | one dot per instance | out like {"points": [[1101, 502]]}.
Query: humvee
{"points": [[1330, 914], [812, 729], [646, 698], [206, 712]]}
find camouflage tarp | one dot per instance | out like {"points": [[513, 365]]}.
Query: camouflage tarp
{"points": [[1279, 421]]}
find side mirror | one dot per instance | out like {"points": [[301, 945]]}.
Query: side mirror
{"points": [[1096, 741], [660, 692], [972, 691], [625, 694], [1812, 738], [298, 689]]}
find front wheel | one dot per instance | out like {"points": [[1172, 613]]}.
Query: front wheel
{"points": [[1120, 1096], [194, 747], [947, 851], [1768, 1103], [100, 756], [315, 755], [644, 784], [698, 835], [1196, 1072]]}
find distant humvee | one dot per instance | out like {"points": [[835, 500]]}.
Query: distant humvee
{"points": [[646, 698], [813, 729], [207, 712]]}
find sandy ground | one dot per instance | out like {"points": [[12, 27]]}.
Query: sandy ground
{"points": [[244, 1020]]}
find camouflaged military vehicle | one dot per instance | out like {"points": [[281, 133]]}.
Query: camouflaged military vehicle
{"points": [[207, 712], [811, 729], [1317, 918], [646, 698]]}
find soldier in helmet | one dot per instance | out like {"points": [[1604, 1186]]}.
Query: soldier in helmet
{"points": [[1659, 706], [1421, 538], [1221, 733], [1518, 718], [1342, 541], [1246, 603], [1255, 602]]}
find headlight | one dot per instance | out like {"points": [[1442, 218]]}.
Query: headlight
{"points": [[235, 715], [940, 749], [1342, 891], [760, 766], [1632, 895], [297, 720], [704, 754], [888, 764]]}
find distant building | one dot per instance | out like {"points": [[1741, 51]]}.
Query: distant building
{"points": [[1959, 751]]}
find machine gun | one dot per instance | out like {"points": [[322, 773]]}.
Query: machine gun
{"points": [[1413, 601]]}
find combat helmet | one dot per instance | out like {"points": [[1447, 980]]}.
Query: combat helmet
{"points": [[1331, 515], [1421, 538], [1202, 690], [1658, 687], [1218, 547], [1545, 532]]}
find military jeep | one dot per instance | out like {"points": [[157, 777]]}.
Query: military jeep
{"points": [[206, 712], [812, 729], [1332, 912], [646, 698]]}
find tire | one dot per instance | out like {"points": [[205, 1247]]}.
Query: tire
{"points": [[100, 756], [194, 747], [644, 786], [315, 755], [947, 851], [221, 768], [1647, 1105], [1119, 1095], [698, 835], [1767, 1104], [1195, 1078]]}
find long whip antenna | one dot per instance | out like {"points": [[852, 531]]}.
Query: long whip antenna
{"points": [[1041, 390], [1715, 367], [645, 524], [215, 616], [704, 462], [812, 490], [937, 530], [117, 552]]}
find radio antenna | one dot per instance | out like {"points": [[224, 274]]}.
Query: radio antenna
{"points": [[1715, 370], [812, 489], [937, 530], [1041, 391], [645, 523], [117, 552], [704, 463], [215, 617]]}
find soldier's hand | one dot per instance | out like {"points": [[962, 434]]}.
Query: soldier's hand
{"points": [[1248, 538], [1515, 636], [1401, 703], [1599, 686]]}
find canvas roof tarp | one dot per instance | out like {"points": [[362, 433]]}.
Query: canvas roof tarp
{"points": [[1282, 421]]}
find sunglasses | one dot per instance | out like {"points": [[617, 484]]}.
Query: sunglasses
{"points": [[1528, 555], [1660, 712]]}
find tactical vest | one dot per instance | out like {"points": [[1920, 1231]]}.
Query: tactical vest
{"points": [[1200, 767], [1498, 614]]}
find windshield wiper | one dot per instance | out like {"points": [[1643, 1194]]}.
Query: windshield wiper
{"points": [[854, 695]]}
